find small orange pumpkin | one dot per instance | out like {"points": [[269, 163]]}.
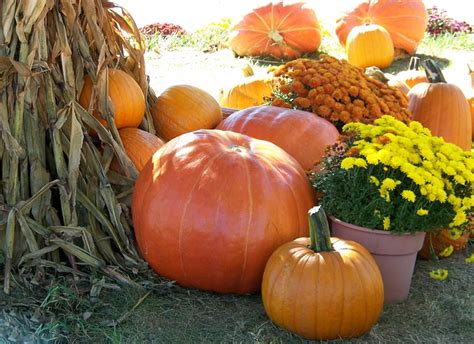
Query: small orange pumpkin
{"points": [[250, 92], [322, 288], [184, 108], [387, 78], [301, 134], [139, 145], [438, 244], [369, 45], [126, 96], [412, 75], [278, 30], [441, 107]]}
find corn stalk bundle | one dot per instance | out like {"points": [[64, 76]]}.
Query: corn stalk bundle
{"points": [[60, 207]]}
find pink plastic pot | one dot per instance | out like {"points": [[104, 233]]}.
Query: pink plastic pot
{"points": [[395, 255]]}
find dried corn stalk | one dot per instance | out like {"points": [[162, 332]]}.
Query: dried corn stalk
{"points": [[59, 207]]}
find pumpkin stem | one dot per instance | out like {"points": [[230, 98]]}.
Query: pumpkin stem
{"points": [[414, 63], [319, 233], [433, 72], [276, 37]]}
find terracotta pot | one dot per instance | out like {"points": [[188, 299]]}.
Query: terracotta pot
{"points": [[395, 255]]}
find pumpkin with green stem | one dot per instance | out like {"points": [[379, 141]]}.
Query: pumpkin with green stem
{"points": [[322, 288]]}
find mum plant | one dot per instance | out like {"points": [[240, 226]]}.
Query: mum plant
{"points": [[395, 176]]}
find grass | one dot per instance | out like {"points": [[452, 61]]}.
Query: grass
{"points": [[436, 312]]}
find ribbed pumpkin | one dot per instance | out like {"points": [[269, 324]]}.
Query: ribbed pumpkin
{"points": [[470, 98], [184, 108], [441, 107], [405, 20], [301, 134], [139, 145], [126, 96], [322, 288], [436, 243], [369, 45], [250, 92], [211, 207], [278, 30], [412, 75]]}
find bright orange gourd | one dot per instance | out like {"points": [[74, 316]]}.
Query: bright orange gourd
{"points": [[405, 20], [369, 45], [301, 134], [184, 108], [278, 30], [211, 206], [139, 145], [250, 92], [322, 288], [442, 108], [126, 96], [412, 75]]}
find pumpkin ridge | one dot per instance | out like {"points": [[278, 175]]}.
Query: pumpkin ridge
{"points": [[185, 206], [340, 268], [356, 267], [282, 21], [265, 25], [299, 300], [305, 28], [296, 266]]}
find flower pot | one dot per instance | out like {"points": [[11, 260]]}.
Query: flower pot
{"points": [[394, 254]]}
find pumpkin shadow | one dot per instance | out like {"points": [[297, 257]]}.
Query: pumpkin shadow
{"points": [[401, 64]]}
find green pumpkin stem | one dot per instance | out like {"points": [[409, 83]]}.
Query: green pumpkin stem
{"points": [[319, 233], [433, 72], [414, 63]]}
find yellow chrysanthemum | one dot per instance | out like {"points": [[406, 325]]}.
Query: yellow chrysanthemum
{"points": [[469, 259], [422, 212], [459, 219], [374, 180], [386, 223], [409, 195], [455, 233], [447, 251], [347, 163], [439, 274]]}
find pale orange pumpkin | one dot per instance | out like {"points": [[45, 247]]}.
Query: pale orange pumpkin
{"points": [[322, 288], [369, 45], [301, 134], [139, 145], [126, 96], [250, 92], [278, 30], [211, 206], [441, 107], [412, 75], [184, 108], [405, 20]]}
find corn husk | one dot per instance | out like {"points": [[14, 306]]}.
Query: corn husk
{"points": [[60, 208]]}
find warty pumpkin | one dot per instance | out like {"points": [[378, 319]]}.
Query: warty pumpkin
{"points": [[211, 206], [278, 30], [322, 288], [184, 108], [301, 134], [126, 96], [405, 20], [139, 145], [441, 107], [412, 75], [369, 45]]}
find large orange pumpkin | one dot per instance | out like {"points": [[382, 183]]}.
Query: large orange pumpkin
{"points": [[211, 206], [278, 30], [184, 108], [405, 20], [369, 45], [441, 107], [139, 145], [470, 98], [126, 96], [301, 134], [323, 288]]}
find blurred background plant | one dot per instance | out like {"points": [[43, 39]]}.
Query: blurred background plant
{"points": [[440, 23]]}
